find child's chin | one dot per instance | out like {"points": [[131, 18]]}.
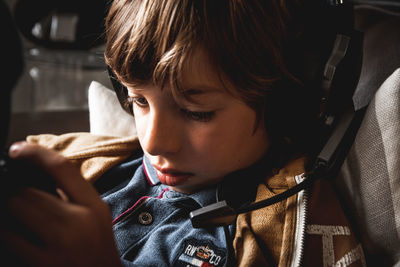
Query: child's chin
{"points": [[189, 188], [186, 188], [182, 190]]}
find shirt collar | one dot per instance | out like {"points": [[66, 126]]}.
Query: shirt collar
{"points": [[150, 172], [203, 197], [237, 187]]}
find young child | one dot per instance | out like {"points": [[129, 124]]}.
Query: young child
{"points": [[221, 114]]}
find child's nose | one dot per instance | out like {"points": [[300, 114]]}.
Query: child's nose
{"points": [[162, 135]]}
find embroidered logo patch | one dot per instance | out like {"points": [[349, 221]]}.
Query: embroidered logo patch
{"points": [[200, 253]]}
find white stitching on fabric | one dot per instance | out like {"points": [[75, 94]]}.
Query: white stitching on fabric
{"points": [[354, 255], [328, 253]]}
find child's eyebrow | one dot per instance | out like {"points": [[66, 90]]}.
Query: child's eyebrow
{"points": [[201, 89]]}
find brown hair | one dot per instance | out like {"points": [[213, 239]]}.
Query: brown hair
{"points": [[152, 40], [149, 40]]}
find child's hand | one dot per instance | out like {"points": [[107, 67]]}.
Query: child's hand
{"points": [[74, 230]]}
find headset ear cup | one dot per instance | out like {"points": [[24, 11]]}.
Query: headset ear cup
{"points": [[121, 92], [307, 55], [291, 119], [346, 77]]}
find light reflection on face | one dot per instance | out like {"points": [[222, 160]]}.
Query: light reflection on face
{"points": [[194, 144]]}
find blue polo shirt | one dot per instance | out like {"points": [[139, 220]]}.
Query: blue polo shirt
{"points": [[151, 222]]}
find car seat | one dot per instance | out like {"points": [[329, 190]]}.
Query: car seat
{"points": [[369, 180]]}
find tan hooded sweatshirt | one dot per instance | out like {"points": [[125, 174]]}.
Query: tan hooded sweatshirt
{"points": [[307, 229]]}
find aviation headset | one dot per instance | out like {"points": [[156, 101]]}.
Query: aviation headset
{"points": [[336, 77]]}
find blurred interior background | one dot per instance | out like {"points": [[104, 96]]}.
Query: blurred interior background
{"points": [[63, 46]]}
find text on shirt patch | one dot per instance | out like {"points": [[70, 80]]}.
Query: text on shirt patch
{"points": [[200, 253]]}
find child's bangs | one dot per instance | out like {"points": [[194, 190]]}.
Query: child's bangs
{"points": [[155, 48], [171, 68]]}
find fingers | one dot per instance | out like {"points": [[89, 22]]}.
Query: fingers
{"points": [[53, 221], [61, 228], [40, 212], [66, 175], [25, 252]]}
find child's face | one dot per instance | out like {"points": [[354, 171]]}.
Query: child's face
{"points": [[195, 144]]}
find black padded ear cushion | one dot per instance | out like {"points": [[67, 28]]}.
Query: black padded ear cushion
{"points": [[305, 107], [121, 92], [310, 52]]}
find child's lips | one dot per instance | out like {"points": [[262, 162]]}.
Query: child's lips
{"points": [[172, 177]]}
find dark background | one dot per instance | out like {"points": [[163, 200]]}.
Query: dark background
{"points": [[51, 94]]}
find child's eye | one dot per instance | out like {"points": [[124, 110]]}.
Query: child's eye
{"points": [[140, 101], [198, 116]]}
